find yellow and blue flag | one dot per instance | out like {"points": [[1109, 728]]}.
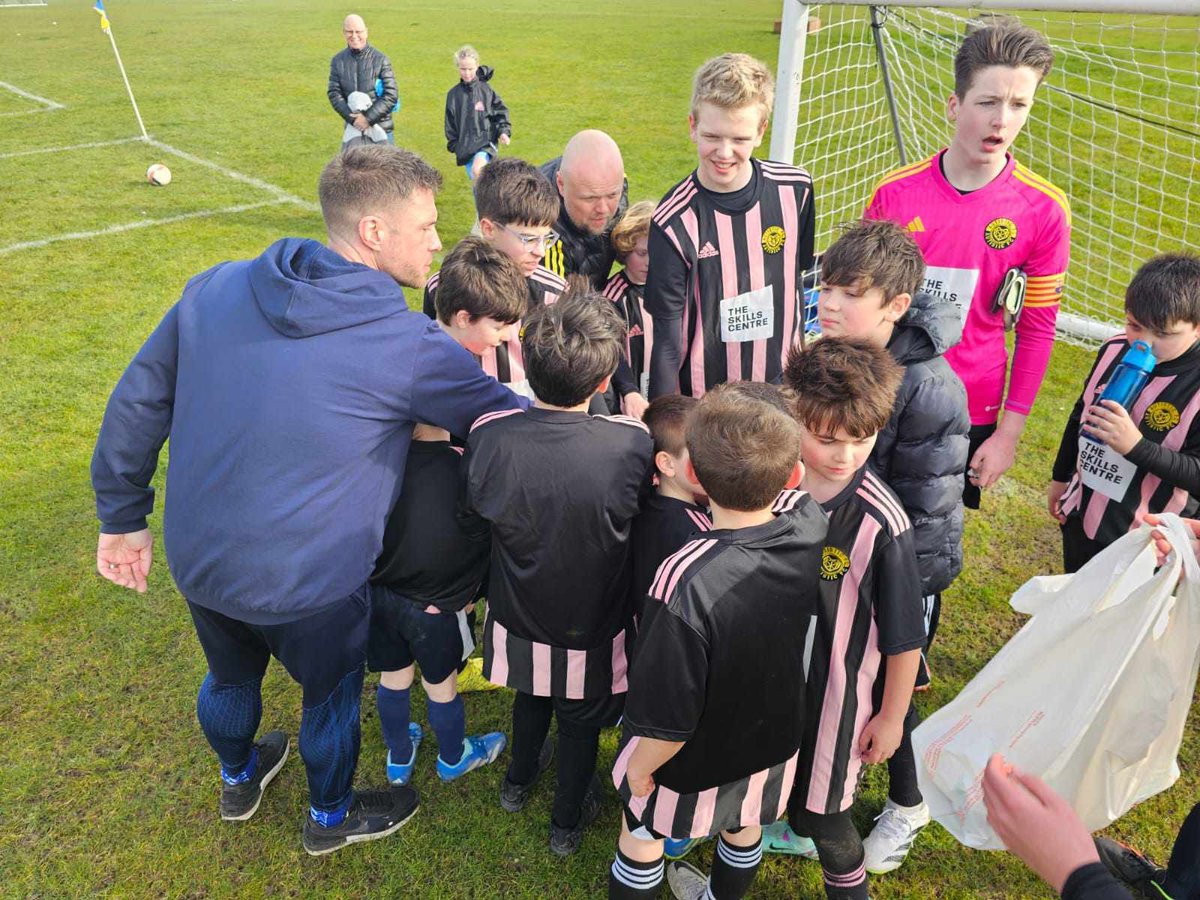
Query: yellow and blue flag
{"points": [[99, 7]]}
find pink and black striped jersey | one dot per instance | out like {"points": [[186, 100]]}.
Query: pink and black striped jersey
{"points": [[558, 491], [639, 335], [720, 667], [506, 363], [726, 278], [870, 607], [1111, 493], [663, 525]]}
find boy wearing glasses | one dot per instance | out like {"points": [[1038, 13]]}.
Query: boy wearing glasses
{"points": [[516, 205]]}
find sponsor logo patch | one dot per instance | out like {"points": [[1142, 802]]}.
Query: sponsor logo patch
{"points": [[708, 251], [915, 226]]}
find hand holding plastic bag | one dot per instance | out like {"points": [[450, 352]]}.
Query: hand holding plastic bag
{"points": [[1091, 694]]}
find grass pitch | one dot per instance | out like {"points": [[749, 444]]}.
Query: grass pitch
{"points": [[109, 788]]}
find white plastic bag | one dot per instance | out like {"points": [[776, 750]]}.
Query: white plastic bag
{"points": [[1091, 694]]}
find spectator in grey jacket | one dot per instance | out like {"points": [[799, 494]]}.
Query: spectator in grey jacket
{"points": [[360, 67]]}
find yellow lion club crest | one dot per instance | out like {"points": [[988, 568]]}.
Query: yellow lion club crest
{"points": [[773, 238], [834, 563], [1000, 233], [1161, 416]]}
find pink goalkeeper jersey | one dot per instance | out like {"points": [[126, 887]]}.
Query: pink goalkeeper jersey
{"points": [[969, 242]]}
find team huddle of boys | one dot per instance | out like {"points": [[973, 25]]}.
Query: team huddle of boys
{"points": [[744, 575]]}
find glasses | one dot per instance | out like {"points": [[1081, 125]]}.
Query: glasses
{"points": [[531, 241]]}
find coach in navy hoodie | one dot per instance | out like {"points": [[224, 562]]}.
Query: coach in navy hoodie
{"points": [[288, 386]]}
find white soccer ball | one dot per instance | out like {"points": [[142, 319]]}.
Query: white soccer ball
{"points": [[158, 174]]}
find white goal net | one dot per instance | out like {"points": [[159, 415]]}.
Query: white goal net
{"points": [[1116, 126]]}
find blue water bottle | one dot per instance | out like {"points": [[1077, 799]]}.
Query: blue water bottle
{"points": [[1128, 379]]}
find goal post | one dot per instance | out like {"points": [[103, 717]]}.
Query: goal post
{"points": [[862, 90]]}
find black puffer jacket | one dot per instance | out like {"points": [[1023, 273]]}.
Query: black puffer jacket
{"points": [[475, 117], [922, 451], [356, 70], [579, 252]]}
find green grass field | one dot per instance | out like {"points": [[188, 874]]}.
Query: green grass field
{"points": [[108, 787]]}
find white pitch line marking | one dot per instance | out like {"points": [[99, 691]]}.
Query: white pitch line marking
{"points": [[49, 104], [145, 223], [129, 140], [237, 176]]}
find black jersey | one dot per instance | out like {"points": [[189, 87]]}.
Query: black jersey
{"points": [[559, 491], [506, 363], [729, 281], [720, 667], [870, 607], [662, 526], [428, 556], [639, 334], [1110, 492]]}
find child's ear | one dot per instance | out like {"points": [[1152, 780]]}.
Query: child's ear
{"points": [[603, 386], [487, 228], [461, 319], [898, 306], [664, 463]]}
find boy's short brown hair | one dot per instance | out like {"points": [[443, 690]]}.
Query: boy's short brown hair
{"points": [[1165, 290], [571, 346], [734, 81], [743, 449], [874, 254], [1006, 44], [632, 227], [511, 191], [482, 281], [768, 393], [666, 417], [843, 384]]}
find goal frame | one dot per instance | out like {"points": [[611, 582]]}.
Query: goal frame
{"points": [[789, 78]]}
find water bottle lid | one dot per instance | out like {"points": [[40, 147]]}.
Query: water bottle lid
{"points": [[1140, 356]]}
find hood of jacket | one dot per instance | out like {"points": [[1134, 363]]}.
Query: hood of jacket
{"points": [[483, 73], [929, 328], [303, 288]]}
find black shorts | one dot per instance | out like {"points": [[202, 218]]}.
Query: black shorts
{"points": [[318, 651], [402, 633]]}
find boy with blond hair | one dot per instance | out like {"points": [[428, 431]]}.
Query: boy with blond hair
{"points": [[729, 245], [476, 117], [706, 751], [869, 629], [630, 237]]}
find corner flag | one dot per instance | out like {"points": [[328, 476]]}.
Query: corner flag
{"points": [[99, 7]]}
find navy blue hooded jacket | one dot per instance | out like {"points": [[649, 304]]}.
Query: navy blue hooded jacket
{"points": [[288, 386]]}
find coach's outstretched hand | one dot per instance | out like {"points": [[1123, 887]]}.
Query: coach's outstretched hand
{"points": [[1035, 823], [124, 559]]}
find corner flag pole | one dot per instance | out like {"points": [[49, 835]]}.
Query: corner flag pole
{"points": [[106, 27]]}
